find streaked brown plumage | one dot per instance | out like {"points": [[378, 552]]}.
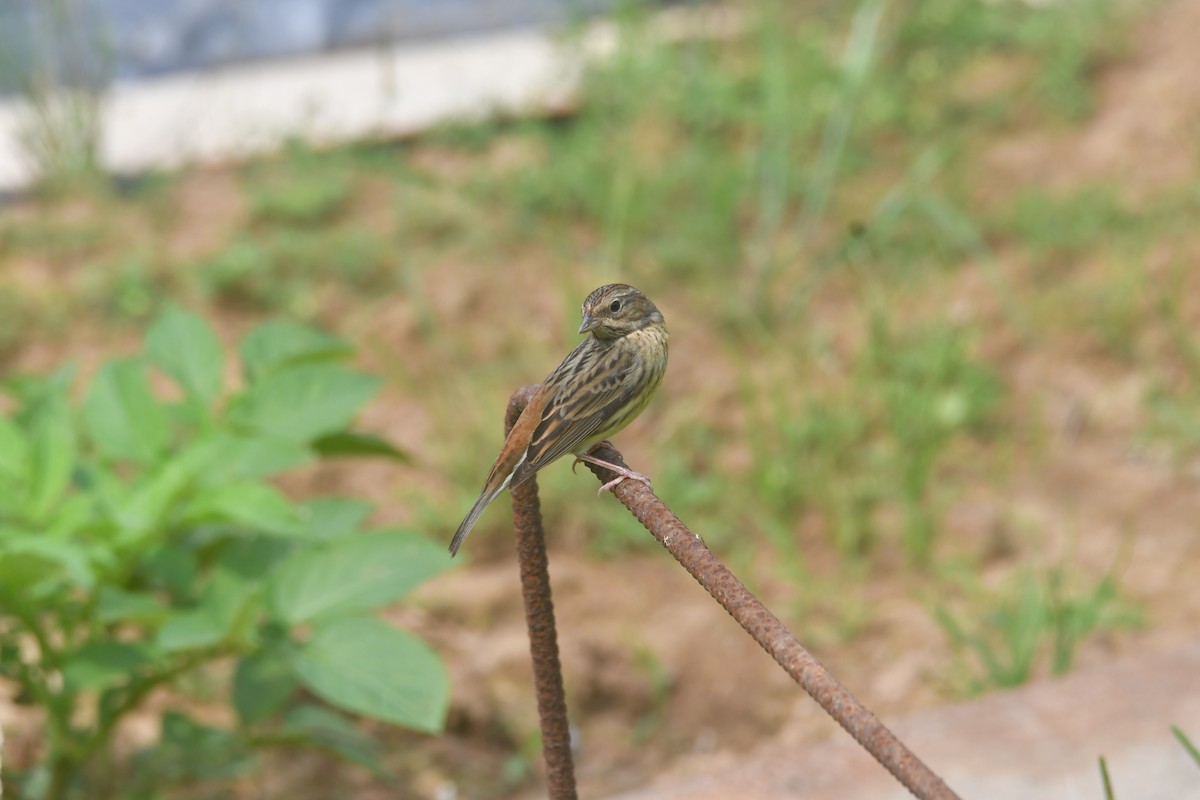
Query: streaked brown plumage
{"points": [[596, 391]]}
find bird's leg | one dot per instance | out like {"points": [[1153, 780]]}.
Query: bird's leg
{"points": [[580, 459], [622, 472]]}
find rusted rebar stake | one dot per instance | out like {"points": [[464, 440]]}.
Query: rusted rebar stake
{"points": [[539, 616], [772, 636]]}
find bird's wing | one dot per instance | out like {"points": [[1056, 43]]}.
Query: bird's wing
{"points": [[585, 394]]}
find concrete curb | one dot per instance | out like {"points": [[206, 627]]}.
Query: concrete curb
{"points": [[240, 111]]}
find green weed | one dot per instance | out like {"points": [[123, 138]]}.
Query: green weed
{"points": [[300, 190], [1188, 747], [141, 542], [1038, 620], [871, 442], [58, 241], [285, 269]]}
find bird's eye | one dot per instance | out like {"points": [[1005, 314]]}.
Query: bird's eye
{"points": [[614, 306]]}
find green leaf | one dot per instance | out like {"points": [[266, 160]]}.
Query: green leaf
{"points": [[99, 665], [281, 343], [352, 573], [353, 443], [262, 683], [215, 460], [32, 390], [304, 402], [122, 416], [117, 605], [190, 751], [52, 452], [14, 451], [365, 666], [29, 559], [185, 347], [254, 505], [171, 567], [252, 557], [74, 514], [144, 508], [331, 517], [213, 621], [253, 457], [322, 727]]}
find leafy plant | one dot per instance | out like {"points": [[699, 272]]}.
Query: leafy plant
{"points": [[302, 190], [876, 438], [931, 391], [141, 540], [1038, 619], [285, 269]]}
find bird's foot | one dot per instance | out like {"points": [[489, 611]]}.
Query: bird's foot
{"points": [[623, 473], [580, 459]]}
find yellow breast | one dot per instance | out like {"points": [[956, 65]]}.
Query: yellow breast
{"points": [[649, 346]]}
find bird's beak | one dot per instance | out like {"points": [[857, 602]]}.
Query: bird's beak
{"points": [[588, 323]]}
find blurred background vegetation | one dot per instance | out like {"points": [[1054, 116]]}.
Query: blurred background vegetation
{"points": [[935, 380]]}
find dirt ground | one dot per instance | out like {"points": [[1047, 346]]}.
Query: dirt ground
{"points": [[703, 686], [654, 669]]}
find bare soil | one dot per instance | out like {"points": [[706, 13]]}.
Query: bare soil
{"points": [[1103, 496]]}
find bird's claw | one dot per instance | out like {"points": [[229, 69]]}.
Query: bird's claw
{"points": [[612, 485]]}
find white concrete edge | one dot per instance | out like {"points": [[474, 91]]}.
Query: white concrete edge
{"points": [[237, 112], [392, 90]]}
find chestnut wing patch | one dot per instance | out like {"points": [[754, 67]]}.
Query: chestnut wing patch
{"points": [[590, 390]]}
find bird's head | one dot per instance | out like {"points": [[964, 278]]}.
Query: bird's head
{"points": [[617, 310]]}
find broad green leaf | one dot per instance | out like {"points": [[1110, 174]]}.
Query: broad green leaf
{"points": [[254, 505], [251, 557], [14, 451], [211, 461], [325, 728], [32, 389], [213, 621], [365, 666], [52, 453], [352, 573], [190, 751], [185, 347], [354, 443], [280, 343], [262, 683], [304, 402], [331, 517], [144, 508], [75, 514], [252, 457], [122, 416], [98, 665], [29, 559], [172, 568], [117, 605]]}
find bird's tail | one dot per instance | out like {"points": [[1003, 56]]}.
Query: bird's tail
{"points": [[485, 498]]}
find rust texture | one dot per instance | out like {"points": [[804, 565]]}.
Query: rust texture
{"points": [[539, 616], [771, 635]]}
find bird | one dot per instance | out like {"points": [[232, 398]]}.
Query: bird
{"points": [[598, 389]]}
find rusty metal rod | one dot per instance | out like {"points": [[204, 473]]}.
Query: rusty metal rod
{"points": [[539, 616], [771, 635]]}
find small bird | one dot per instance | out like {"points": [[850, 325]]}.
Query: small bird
{"points": [[598, 389]]}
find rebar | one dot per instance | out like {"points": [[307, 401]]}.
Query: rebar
{"points": [[690, 551], [539, 616], [766, 629]]}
